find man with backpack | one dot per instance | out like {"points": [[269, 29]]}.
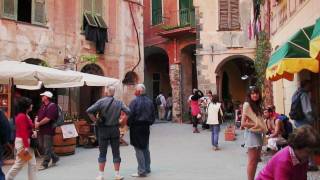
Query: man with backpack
{"points": [[301, 111], [47, 116], [109, 110], [161, 103], [5, 133]]}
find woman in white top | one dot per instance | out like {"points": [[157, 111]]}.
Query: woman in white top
{"points": [[214, 119], [252, 121]]}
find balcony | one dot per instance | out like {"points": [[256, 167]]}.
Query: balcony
{"points": [[177, 23]]}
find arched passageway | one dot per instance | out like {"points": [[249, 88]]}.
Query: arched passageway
{"points": [[88, 94], [234, 76], [156, 72], [189, 79]]}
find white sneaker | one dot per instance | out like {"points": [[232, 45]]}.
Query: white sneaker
{"points": [[100, 178], [138, 175], [118, 177]]}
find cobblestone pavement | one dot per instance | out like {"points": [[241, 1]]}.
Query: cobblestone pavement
{"points": [[176, 154]]}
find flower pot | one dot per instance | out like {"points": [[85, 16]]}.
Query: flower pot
{"points": [[229, 133]]}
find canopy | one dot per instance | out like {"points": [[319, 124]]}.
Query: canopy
{"points": [[292, 57], [30, 75], [315, 41], [88, 80]]}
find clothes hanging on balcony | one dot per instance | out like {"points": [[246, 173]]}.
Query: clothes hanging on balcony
{"points": [[97, 35]]}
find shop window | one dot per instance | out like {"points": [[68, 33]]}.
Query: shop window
{"points": [[229, 15], [156, 12], [28, 11]]}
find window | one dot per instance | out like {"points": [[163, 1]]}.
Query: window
{"points": [[29, 11], [229, 15], [156, 12], [186, 12], [92, 13]]}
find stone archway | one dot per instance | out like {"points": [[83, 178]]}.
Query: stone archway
{"points": [[234, 76], [189, 78], [156, 71], [89, 95]]}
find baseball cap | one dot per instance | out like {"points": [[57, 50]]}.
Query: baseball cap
{"points": [[47, 93]]}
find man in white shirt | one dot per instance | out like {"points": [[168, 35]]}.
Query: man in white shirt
{"points": [[161, 106]]}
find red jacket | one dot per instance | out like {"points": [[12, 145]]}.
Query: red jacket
{"points": [[24, 128]]}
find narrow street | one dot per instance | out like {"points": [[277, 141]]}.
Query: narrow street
{"points": [[176, 154]]}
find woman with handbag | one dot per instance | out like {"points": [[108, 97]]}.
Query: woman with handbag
{"points": [[255, 126], [24, 133], [215, 115], [195, 110]]}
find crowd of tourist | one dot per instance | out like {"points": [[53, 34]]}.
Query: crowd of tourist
{"points": [[291, 149]]}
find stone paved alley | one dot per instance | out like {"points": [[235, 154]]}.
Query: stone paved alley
{"points": [[176, 154]]}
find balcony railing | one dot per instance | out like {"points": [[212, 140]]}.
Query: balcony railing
{"points": [[187, 17], [174, 19]]}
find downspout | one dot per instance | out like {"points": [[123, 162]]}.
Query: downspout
{"points": [[131, 77]]}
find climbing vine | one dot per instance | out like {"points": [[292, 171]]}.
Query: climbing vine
{"points": [[262, 57], [89, 58]]}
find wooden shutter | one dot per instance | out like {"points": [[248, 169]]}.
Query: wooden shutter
{"points": [[9, 9], [100, 21], [90, 19], [234, 15], [223, 14], [39, 12], [156, 12], [98, 7]]}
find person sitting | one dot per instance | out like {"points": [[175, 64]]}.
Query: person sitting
{"points": [[269, 120], [291, 162]]}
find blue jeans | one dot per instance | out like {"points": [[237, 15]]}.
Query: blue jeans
{"points": [[143, 158], [215, 129], [1, 173]]}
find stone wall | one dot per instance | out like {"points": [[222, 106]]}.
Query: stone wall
{"points": [[175, 79]]}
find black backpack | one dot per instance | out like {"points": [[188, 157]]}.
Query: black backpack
{"points": [[158, 100], [296, 112]]}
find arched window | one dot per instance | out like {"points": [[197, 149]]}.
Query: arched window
{"points": [[229, 15]]}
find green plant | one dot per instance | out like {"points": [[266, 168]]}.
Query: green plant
{"points": [[89, 58], [262, 58], [169, 27], [44, 63]]}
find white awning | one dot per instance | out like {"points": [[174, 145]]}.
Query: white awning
{"points": [[30, 75]]}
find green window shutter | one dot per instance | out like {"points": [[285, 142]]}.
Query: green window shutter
{"points": [[100, 21], [223, 14], [89, 18], [98, 7], [185, 4], [9, 9], [234, 15], [156, 12], [39, 12]]}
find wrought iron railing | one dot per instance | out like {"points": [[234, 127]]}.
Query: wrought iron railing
{"points": [[174, 19], [187, 17]]}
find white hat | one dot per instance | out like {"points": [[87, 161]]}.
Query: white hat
{"points": [[47, 93]]}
